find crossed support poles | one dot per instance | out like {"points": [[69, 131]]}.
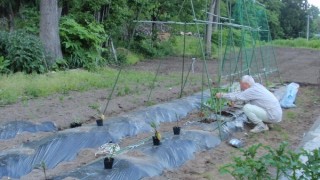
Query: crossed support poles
{"points": [[234, 60]]}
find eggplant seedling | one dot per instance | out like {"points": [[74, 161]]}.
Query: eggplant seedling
{"points": [[108, 161], [177, 128], [157, 136], [43, 167], [99, 115]]}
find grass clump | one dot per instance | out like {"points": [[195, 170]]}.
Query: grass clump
{"points": [[192, 46], [19, 86], [259, 162], [298, 43]]}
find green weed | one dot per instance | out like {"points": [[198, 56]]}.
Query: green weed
{"points": [[298, 43], [208, 176], [284, 161], [133, 58], [19, 85], [291, 115], [192, 46]]}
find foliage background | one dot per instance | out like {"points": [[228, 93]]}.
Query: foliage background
{"points": [[87, 28]]}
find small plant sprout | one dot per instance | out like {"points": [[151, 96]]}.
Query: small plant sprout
{"points": [[76, 123], [77, 120], [177, 119], [176, 129], [99, 111], [114, 148], [43, 167], [156, 132], [110, 149]]}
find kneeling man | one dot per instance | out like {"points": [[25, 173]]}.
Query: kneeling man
{"points": [[261, 105]]}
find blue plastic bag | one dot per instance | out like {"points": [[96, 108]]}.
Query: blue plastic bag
{"points": [[289, 98]]}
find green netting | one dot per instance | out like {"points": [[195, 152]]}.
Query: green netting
{"points": [[242, 40], [245, 42]]}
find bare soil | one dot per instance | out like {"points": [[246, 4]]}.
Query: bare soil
{"points": [[299, 65]]}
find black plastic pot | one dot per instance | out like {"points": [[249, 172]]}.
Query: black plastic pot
{"points": [[99, 122], [75, 124], [108, 163], [156, 141], [176, 130]]}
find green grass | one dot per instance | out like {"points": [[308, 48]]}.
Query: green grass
{"points": [[133, 58], [298, 43], [22, 87], [208, 176], [192, 46], [291, 115], [19, 86]]}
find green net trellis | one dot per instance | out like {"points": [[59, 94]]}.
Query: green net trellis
{"points": [[245, 46], [242, 40]]}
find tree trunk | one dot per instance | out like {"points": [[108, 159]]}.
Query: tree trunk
{"points": [[11, 18], [153, 29], [209, 28], [49, 28], [217, 12]]}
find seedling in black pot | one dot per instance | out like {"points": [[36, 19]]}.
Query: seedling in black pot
{"points": [[157, 136], [100, 115], [108, 161], [100, 120], [177, 128]]}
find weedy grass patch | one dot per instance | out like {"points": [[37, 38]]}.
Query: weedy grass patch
{"points": [[20, 86], [274, 163], [298, 43]]}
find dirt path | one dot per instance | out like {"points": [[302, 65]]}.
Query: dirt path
{"points": [[301, 65]]}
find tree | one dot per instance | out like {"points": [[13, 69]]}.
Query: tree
{"points": [[8, 10], [214, 6], [273, 8], [293, 17], [49, 28], [314, 12]]}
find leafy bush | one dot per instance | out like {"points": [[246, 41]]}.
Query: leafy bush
{"points": [[147, 47], [4, 64], [28, 19], [299, 43], [124, 57], [284, 161], [214, 103], [81, 44], [60, 64], [192, 46], [164, 48], [24, 52], [111, 60], [227, 39], [3, 42]]}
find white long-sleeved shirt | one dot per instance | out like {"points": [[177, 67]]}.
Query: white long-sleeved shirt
{"points": [[258, 95]]}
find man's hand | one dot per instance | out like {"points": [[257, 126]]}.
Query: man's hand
{"points": [[219, 95]]}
